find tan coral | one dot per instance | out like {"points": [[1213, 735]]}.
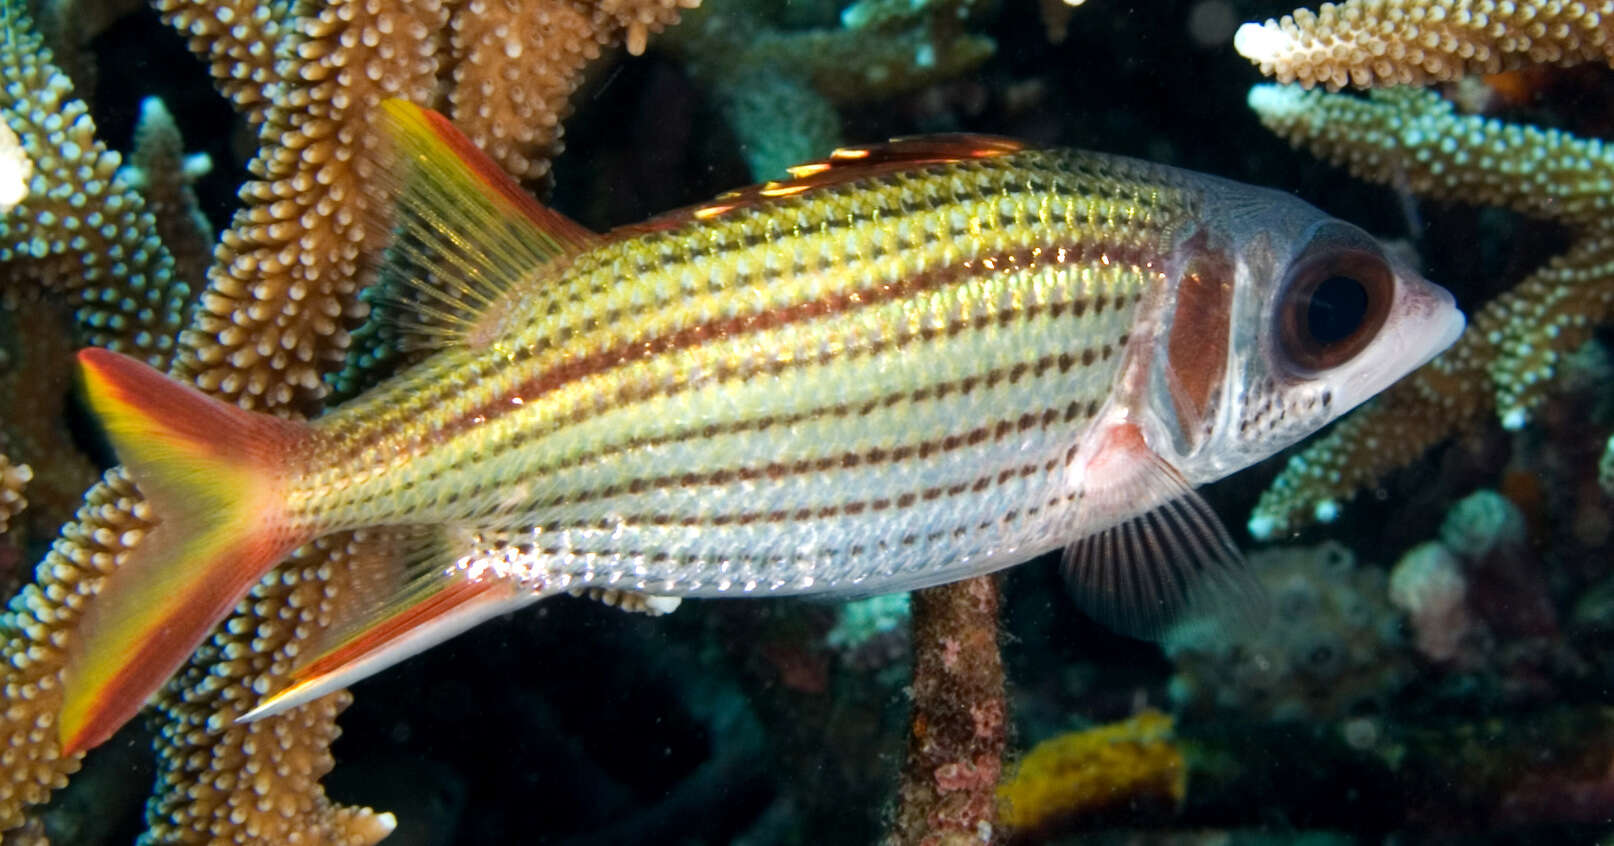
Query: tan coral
{"points": [[241, 40], [284, 288], [36, 378], [281, 295], [37, 626], [81, 230], [13, 478], [1505, 362], [517, 68], [259, 782], [1415, 42]]}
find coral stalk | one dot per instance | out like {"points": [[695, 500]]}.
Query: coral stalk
{"points": [[948, 792]]}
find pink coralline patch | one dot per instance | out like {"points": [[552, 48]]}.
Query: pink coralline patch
{"points": [[1429, 585], [948, 794], [988, 717], [969, 775]]}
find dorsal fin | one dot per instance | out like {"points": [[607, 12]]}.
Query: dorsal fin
{"points": [[463, 233], [845, 165]]}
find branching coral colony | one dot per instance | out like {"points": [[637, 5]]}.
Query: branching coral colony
{"points": [[1414, 139], [270, 322], [116, 256]]}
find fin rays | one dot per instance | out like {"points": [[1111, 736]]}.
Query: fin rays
{"points": [[1171, 567], [464, 234]]}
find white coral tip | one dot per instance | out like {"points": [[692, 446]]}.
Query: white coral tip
{"points": [[1276, 101], [15, 170], [1262, 42], [1262, 526]]}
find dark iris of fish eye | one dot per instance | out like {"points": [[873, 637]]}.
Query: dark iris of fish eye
{"points": [[1337, 308], [1333, 305]]}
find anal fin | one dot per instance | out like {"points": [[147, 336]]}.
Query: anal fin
{"points": [[1152, 558], [407, 603]]}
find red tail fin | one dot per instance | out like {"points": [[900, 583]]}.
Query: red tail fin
{"points": [[213, 474]]}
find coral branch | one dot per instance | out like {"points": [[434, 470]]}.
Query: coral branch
{"points": [[517, 70], [1416, 42], [82, 229], [948, 794]]}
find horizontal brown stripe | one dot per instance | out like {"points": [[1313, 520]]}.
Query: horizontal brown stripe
{"points": [[851, 459], [624, 354]]}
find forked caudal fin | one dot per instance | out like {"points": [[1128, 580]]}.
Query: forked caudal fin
{"points": [[212, 474], [1171, 569]]}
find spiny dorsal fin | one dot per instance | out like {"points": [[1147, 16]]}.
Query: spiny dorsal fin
{"points": [[846, 164], [464, 234]]}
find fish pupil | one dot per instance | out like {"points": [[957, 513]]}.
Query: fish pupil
{"points": [[1336, 310]]}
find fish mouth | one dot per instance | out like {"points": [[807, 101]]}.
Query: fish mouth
{"points": [[1423, 323], [1435, 309]]}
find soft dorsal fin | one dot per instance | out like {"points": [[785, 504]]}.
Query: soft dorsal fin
{"points": [[845, 165], [463, 233]]}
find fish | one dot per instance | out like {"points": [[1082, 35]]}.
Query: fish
{"points": [[906, 364]]}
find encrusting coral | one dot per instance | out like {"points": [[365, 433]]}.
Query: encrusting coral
{"points": [[1416, 141], [1106, 768], [1333, 644]]}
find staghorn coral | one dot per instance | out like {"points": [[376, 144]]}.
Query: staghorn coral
{"points": [[163, 174], [259, 782], [82, 229], [281, 295], [1506, 361], [1098, 770], [283, 290], [1416, 42], [515, 71]]}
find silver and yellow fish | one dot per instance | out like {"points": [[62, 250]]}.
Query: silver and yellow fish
{"points": [[908, 364]]}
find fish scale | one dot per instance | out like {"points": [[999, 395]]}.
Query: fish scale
{"points": [[907, 364], [892, 302]]}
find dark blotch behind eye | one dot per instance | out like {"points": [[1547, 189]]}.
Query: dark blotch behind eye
{"points": [[1336, 310]]}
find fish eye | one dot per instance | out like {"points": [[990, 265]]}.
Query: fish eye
{"points": [[1333, 303]]}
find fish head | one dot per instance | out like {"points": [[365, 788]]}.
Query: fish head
{"points": [[1276, 319]]}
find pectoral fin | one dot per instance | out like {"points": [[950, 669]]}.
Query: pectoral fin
{"points": [[1169, 570]]}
